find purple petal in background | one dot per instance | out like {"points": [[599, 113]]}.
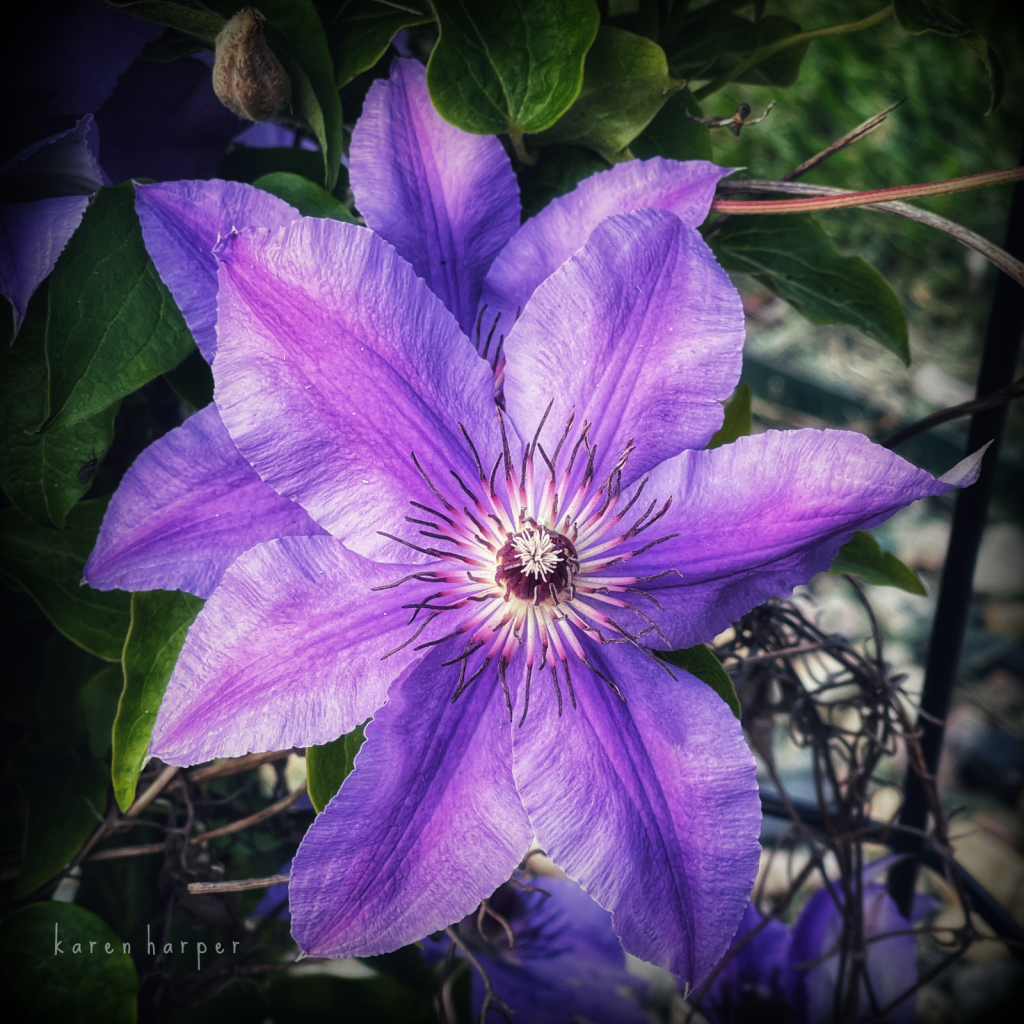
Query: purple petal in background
{"points": [[446, 200], [546, 241], [182, 222], [640, 334], [427, 825], [32, 236], [62, 165], [267, 135], [651, 804], [757, 517], [286, 652], [164, 121], [187, 508], [357, 366]]}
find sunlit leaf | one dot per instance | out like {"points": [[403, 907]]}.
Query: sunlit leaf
{"points": [[700, 661], [159, 624], [793, 256], [863, 556], [328, 765]]}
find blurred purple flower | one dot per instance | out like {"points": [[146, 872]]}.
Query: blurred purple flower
{"points": [[377, 538], [565, 962], [789, 976]]}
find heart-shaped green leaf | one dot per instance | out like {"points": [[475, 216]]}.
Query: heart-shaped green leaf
{"points": [[511, 67]]}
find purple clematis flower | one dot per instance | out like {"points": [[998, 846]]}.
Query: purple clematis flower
{"points": [[787, 975], [377, 537], [564, 962]]}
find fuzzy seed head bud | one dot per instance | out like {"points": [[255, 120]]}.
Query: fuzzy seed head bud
{"points": [[247, 77]]}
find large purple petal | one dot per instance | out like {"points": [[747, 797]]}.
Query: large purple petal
{"points": [[288, 651], [427, 825], [546, 241], [755, 518], [164, 121], [358, 367], [446, 200], [651, 804], [182, 222], [187, 508], [32, 236], [640, 334]]}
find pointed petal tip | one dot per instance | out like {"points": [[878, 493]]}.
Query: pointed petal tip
{"points": [[966, 472]]}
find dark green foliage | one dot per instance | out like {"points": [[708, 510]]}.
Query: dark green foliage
{"points": [[306, 196], [700, 661], [862, 556], [738, 419], [328, 765], [49, 984], [359, 34]]}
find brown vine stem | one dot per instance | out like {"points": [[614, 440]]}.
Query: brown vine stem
{"points": [[990, 401], [833, 201], [235, 765], [240, 885], [152, 791], [996, 255], [253, 819], [117, 852]]}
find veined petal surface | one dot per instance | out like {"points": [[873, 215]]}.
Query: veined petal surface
{"points": [[546, 241], [426, 826], [286, 652], [186, 509], [182, 222], [448, 201], [357, 366], [755, 518], [650, 803], [640, 334]]}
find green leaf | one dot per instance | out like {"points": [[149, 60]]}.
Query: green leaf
{"points": [[917, 17], [700, 661], [625, 83], [112, 324], [511, 67], [696, 46], [43, 475], [249, 163], [862, 556], [97, 706], [794, 257], [47, 982], [674, 135], [192, 380], [738, 419], [185, 19], [64, 795], [67, 670], [328, 765], [48, 564], [558, 170], [160, 621], [359, 35], [306, 196]]}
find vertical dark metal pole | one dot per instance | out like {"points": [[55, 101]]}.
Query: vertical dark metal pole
{"points": [[998, 361]]}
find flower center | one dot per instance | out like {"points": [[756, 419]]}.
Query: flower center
{"points": [[538, 565]]}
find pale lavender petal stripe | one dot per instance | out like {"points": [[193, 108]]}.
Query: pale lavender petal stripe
{"points": [[640, 334], [546, 241], [427, 825], [32, 236], [357, 366], [185, 510], [758, 517], [651, 805], [182, 222], [448, 201], [286, 652]]}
